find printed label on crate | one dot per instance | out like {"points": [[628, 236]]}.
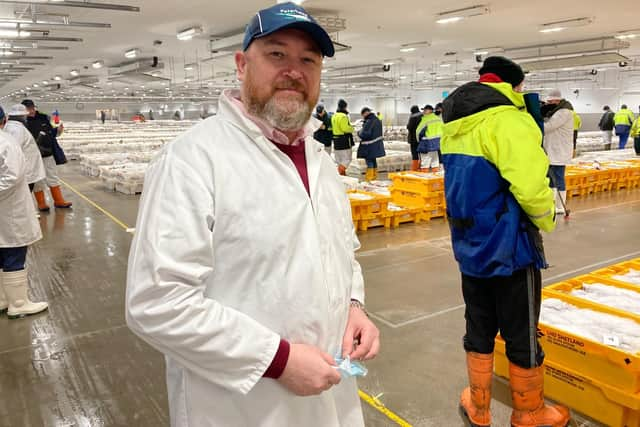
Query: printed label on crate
{"points": [[565, 377], [570, 343]]}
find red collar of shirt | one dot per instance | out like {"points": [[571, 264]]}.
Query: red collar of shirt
{"points": [[490, 78]]}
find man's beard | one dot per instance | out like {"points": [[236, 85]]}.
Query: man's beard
{"points": [[290, 114]]}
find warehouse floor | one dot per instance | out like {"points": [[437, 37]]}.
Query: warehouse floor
{"points": [[79, 365]]}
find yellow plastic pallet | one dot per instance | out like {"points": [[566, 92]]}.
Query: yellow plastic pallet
{"points": [[417, 182], [602, 401], [407, 215], [375, 220]]}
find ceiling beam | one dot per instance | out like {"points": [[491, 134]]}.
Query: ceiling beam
{"points": [[28, 23], [81, 4], [41, 39]]}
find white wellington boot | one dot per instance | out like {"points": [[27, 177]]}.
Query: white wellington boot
{"points": [[4, 304], [15, 288]]}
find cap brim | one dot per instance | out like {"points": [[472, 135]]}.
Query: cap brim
{"points": [[317, 33]]}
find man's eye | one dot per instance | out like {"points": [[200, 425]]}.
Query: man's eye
{"points": [[277, 54], [309, 60]]}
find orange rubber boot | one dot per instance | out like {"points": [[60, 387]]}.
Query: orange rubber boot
{"points": [[527, 392], [42, 202], [342, 170], [475, 402], [415, 165], [58, 199]]}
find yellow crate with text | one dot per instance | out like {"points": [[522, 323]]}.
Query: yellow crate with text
{"points": [[417, 182], [601, 400], [406, 215], [562, 290], [375, 203], [375, 220], [601, 362]]}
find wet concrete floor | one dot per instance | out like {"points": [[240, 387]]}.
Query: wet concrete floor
{"points": [[78, 364]]}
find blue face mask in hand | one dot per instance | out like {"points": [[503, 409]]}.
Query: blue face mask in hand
{"points": [[348, 369]]}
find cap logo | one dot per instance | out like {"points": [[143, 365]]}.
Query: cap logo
{"points": [[294, 14]]}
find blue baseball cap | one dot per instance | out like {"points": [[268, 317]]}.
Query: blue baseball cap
{"points": [[287, 15]]}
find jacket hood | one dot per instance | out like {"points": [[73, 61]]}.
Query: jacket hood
{"points": [[473, 98]]}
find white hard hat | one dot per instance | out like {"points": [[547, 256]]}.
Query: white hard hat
{"points": [[554, 94], [18, 110]]}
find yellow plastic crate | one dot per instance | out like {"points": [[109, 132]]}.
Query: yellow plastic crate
{"points": [[417, 182], [407, 215], [375, 220], [596, 399], [618, 269], [563, 291], [361, 208], [416, 200], [601, 362], [434, 212]]}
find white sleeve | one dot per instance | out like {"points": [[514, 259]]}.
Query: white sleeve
{"points": [[170, 259], [357, 284], [12, 165], [559, 119]]}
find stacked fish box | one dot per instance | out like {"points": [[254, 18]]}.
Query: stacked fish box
{"points": [[370, 210], [590, 333], [420, 190], [583, 179]]}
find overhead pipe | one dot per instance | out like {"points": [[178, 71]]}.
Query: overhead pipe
{"points": [[66, 23], [81, 4]]}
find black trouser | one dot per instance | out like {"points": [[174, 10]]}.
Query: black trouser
{"points": [[31, 187], [575, 139], [636, 144], [414, 151], [510, 305]]}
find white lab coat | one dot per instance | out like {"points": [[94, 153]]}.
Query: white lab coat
{"points": [[229, 255], [558, 137], [18, 224], [35, 168]]}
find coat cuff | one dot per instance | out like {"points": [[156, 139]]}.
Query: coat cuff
{"points": [[279, 361]]}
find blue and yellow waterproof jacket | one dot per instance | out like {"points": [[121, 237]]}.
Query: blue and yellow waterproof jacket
{"points": [[429, 132], [496, 184]]}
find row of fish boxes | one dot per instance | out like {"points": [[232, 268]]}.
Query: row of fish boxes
{"points": [[597, 380], [376, 210], [584, 180]]}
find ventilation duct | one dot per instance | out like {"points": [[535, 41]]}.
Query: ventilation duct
{"points": [[573, 61]]}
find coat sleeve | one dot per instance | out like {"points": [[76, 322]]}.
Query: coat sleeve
{"points": [[518, 155], [170, 259], [357, 286], [559, 119], [345, 125], [12, 165], [366, 133]]}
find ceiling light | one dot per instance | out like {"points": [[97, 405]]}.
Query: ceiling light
{"points": [[45, 82], [445, 65], [407, 49], [189, 33], [403, 77], [628, 35], [551, 27], [481, 52], [457, 15], [188, 67], [57, 78], [552, 30], [6, 53], [132, 53], [36, 85], [74, 73], [420, 72], [98, 64]]}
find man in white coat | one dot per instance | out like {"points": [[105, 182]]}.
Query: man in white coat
{"points": [[242, 269], [19, 228], [558, 143], [15, 127]]}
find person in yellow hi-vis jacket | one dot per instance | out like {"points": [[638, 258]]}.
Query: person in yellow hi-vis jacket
{"points": [[342, 137], [498, 196], [577, 124], [623, 121], [635, 134], [428, 133]]}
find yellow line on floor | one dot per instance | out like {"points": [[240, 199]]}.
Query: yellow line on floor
{"points": [[378, 406], [373, 402], [97, 206]]}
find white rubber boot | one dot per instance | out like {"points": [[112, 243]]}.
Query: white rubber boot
{"points": [[559, 208], [15, 287], [4, 304]]}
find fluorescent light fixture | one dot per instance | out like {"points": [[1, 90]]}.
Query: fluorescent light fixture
{"points": [[481, 52], [445, 65], [45, 82], [189, 33], [420, 72], [74, 73], [98, 64], [403, 77], [132, 53], [6, 53], [457, 15], [14, 33], [36, 85], [551, 27], [407, 49], [57, 78], [628, 35], [552, 30]]}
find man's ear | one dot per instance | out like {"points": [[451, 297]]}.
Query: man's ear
{"points": [[241, 65]]}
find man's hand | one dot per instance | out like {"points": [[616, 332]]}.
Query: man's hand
{"points": [[309, 371], [361, 338]]}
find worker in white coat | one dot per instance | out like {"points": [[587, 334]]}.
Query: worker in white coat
{"points": [[558, 143], [242, 269], [15, 127], [19, 228]]}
